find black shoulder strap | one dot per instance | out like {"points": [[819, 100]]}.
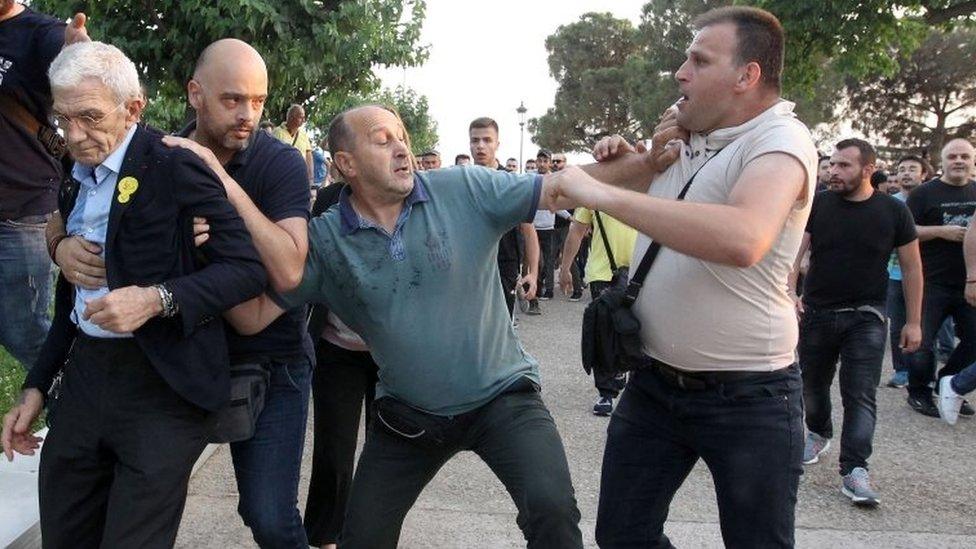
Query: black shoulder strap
{"points": [[636, 281], [606, 243]]}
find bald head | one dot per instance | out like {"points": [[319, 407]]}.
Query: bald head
{"points": [[958, 157], [228, 91], [228, 55]]}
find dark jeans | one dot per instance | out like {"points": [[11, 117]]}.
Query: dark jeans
{"points": [[547, 262], [895, 307], [25, 287], [945, 340], [965, 381], [516, 437], [941, 302], [749, 433], [268, 465], [117, 459], [858, 339], [607, 385], [343, 380]]}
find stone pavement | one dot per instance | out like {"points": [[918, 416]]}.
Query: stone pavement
{"points": [[924, 470]]}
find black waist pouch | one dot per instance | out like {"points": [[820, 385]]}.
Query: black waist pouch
{"points": [[406, 422], [236, 421]]}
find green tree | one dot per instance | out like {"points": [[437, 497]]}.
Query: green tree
{"points": [[860, 38], [588, 58], [930, 99], [318, 52]]}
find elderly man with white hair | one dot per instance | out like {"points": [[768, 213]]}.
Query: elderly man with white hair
{"points": [[135, 362]]}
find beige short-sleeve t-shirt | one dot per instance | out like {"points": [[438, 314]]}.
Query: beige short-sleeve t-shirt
{"points": [[704, 316]]}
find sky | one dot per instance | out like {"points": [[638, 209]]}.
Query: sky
{"points": [[487, 57]]}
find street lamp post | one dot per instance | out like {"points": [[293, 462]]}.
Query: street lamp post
{"points": [[521, 110]]}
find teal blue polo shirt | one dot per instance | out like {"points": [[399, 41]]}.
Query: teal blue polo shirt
{"points": [[428, 299]]}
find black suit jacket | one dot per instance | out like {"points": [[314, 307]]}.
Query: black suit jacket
{"points": [[150, 241]]}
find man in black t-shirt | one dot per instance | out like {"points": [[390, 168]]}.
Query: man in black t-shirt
{"points": [[942, 209], [851, 233], [29, 176]]}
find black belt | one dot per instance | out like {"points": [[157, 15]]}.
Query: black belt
{"points": [[699, 381], [106, 343]]}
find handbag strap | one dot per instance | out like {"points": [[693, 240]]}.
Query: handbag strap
{"points": [[606, 243], [637, 281]]}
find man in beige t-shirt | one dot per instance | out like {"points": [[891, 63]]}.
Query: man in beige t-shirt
{"points": [[291, 132], [716, 321]]}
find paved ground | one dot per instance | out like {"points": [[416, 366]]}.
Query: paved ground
{"points": [[925, 471]]}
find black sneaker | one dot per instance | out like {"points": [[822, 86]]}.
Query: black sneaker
{"points": [[966, 409], [534, 309], [603, 406], [924, 406], [576, 296]]}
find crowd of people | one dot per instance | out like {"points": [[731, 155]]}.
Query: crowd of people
{"points": [[199, 298]]}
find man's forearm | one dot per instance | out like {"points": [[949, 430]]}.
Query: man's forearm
{"points": [[531, 240], [912, 284], [928, 232], [632, 171], [254, 315], [281, 255], [795, 272], [572, 245], [969, 251]]}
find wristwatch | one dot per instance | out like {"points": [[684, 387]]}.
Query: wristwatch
{"points": [[170, 306]]}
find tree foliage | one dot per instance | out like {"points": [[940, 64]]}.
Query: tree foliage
{"points": [[588, 58], [931, 98], [860, 38], [318, 52]]}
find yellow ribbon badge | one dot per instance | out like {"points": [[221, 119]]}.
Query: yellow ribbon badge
{"points": [[127, 186]]}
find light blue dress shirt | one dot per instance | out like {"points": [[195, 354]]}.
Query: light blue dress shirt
{"points": [[89, 220]]}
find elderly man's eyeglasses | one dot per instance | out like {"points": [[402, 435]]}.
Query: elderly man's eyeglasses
{"points": [[84, 121]]}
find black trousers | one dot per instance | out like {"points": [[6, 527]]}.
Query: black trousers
{"points": [[117, 459], [509, 272], [750, 434], [547, 262], [341, 382], [514, 434]]}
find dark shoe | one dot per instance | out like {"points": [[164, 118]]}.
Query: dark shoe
{"points": [[603, 406], [534, 309], [924, 406], [576, 296], [966, 410]]}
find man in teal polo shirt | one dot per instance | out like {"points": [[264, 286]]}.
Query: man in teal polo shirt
{"points": [[408, 260]]}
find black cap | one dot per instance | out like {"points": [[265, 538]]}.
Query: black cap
{"points": [[544, 153], [430, 152]]}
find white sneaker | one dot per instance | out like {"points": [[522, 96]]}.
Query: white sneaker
{"points": [[948, 401]]}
